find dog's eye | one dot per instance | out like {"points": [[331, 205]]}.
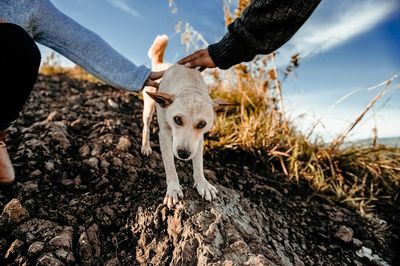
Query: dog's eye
{"points": [[178, 120], [201, 124]]}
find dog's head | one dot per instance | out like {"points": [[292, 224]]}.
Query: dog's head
{"points": [[189, 114]]}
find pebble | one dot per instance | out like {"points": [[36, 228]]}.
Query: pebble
{"points": [[344, 234], [49, 166], [112, 104], [35, 248], [93, 162], [84, 150], [124, 143], [357, 243], [49, 259], [15, 212], [14, 249]]}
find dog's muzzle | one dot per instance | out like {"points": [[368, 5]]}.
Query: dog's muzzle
{"points": [[183, 154]]}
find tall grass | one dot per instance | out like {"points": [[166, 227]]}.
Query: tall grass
{"points": [[356, 175], [52, 66]]}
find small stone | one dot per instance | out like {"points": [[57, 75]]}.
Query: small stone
{"points": [[30, 186], [15, 212], [112, 103], [96, 151], [357, 243], [76, 123], [297, 260], [65, 255], [35, 248], [53, 116], [84, 150], [344, 234], [68, 182], [124, 143], [49, 166], [58, 133], [63, 240], [61, 253], [117, 162], [105, 215], [104, 182], [49, 259], [357, 263], [89, 245], [77, 180], [364, 252], [337, 216], [36, 173], [14, 249], [93, 162], [112, 262], [326, 207], [104, 164]]}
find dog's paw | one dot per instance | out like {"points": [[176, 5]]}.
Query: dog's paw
{"points": [[206, 190], [174, 193], [146, 150]]}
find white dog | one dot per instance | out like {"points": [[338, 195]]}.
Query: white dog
{"points": [[185, 112]]}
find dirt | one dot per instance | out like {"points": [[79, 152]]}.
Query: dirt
{"points": [[86, 196]]}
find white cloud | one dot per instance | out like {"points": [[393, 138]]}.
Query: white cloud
{"points": [[336, 22], [124, 6], [317, 111]]}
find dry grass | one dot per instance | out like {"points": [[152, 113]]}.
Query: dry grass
{"points": [[52, 66], [356, 175]]}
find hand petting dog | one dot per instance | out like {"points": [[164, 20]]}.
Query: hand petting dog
{"points": [[200, 59], [151, 81]]}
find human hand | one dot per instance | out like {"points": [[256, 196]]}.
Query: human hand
{"points": [[200, 58], [153, 78]]}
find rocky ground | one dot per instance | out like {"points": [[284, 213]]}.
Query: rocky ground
{"points": [[86, 196]]}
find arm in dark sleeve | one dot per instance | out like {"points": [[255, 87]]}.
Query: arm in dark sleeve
{"points": [[265, 25]]}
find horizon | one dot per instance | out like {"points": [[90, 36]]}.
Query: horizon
{"points": [[344, 47]]}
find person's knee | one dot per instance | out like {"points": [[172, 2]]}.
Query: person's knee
{"points": [[21, 45]]}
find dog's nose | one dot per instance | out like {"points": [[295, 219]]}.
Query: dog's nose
{"points": [[183, 154]]}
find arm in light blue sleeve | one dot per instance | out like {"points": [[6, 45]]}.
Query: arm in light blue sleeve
{"points": [[87, 49]]}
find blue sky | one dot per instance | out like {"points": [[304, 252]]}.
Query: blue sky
{"points": [[347, 46]]}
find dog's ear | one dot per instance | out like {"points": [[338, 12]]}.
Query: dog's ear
{"points": [[219, 105], [163, 99]]}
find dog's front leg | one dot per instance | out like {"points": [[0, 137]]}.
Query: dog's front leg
{"points": [[149, 106], [174, 191], [205, 189]]}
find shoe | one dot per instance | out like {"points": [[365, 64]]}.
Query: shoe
{"points": [[7, 174]]}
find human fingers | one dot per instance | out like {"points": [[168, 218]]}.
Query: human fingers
{"points": [[156, 75], [191, 57], [152, 83], [201, 62]]}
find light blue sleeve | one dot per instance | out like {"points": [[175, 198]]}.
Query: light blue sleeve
{"points": [[87, 49]]}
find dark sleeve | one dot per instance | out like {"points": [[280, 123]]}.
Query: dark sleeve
{"points": [[264, 26]]}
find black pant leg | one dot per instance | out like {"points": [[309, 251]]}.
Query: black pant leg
{"points": [[19, 65]]}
